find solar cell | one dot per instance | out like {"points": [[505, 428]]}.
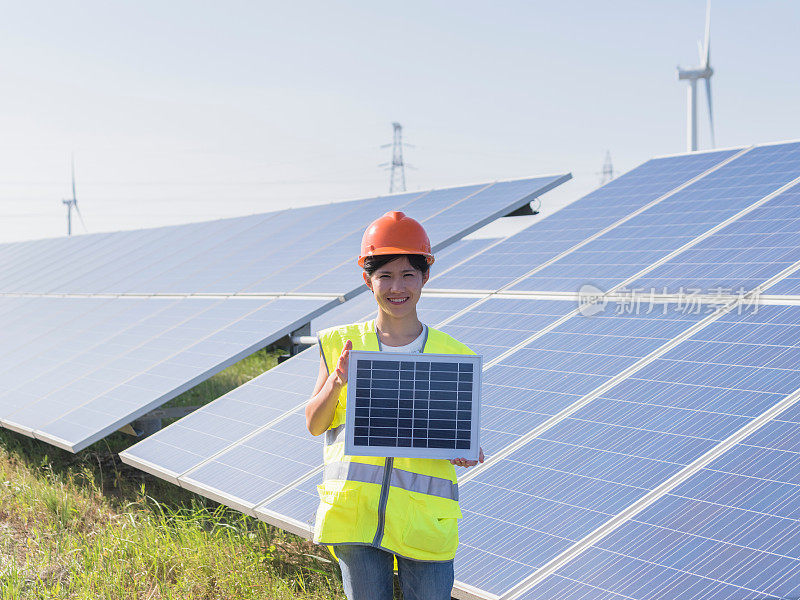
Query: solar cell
{"points": [[494, 325], [577, 475], [294, 508], [341, 250], [36, 255], [118, 248], [651, 236], [460, 251], [413, 405], [573, 224], [275, 262], [248, 472], [41, 332], [163, 259]]}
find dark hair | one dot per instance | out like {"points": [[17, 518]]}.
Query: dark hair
{"points": [[373, 263]]}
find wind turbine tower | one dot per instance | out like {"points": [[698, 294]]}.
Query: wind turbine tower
{"points": [[73, 203], [704, 71]]}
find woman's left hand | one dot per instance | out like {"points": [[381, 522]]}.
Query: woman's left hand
{"points": [[463, 462]]}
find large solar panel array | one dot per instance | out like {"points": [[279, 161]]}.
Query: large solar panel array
{"points": [[643, 449], [100, 329]]}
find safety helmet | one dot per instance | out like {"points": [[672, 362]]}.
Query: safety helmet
{"points": [[395, 233]]}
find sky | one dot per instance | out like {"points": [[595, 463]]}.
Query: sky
{"points": [[186, 111]]}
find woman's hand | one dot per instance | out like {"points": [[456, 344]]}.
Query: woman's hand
{"points": [[339, 375], [321, 408], [463, 462]]}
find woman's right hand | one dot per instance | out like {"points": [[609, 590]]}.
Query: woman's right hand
{"points": [[339, 375], [322, 405]]}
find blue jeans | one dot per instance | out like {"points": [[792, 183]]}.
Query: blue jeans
{"points": [[368, 574]]}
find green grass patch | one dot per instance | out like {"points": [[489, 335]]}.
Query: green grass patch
{"points": [[87, 527]]}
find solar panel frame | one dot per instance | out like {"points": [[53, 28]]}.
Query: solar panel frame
{"points": [[418, 404]]}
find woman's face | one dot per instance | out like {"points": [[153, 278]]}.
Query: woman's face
{"points": [[397, 287]]}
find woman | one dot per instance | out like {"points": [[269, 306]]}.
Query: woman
{"points": [[375, 511]]}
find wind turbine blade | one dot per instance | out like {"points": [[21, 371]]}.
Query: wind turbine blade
{"points": [[80, 216], [707, 58], [710, 111], [73, 178]]}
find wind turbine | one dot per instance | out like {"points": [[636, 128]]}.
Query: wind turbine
{"points": [[704, 71], [73, 203]]}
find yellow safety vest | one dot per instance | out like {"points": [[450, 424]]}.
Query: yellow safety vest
{"points": [[408, 506]]}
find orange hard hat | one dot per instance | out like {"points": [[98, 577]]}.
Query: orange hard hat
{"points": [[395, 233]]}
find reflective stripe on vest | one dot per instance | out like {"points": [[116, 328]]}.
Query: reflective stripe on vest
{"points": [[413, 482]]}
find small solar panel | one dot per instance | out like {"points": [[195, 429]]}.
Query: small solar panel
{"points": [[413, 405]]}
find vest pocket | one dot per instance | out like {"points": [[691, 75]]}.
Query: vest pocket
{"points": [[337, 514], [431, 528]]}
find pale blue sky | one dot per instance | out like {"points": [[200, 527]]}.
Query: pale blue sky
{"points": [[180, 111]]}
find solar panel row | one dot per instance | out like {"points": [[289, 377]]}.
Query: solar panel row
{"points": [[574, 224], [625, 250], [76, 369], [286, 251], [602, 457]]}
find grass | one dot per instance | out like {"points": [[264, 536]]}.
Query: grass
{"points": [[85, 526]]}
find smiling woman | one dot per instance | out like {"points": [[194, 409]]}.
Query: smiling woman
{"points": [[374, 511]]}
